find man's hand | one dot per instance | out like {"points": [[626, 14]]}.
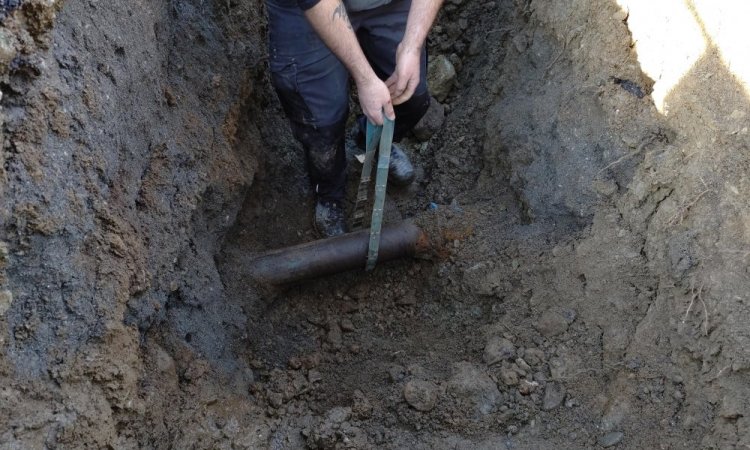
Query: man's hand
{"points": [[331, 22], [375, 98], [405, 78]]}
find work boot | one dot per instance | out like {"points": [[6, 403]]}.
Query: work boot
{"points": [[330, 219], [400, 170]]}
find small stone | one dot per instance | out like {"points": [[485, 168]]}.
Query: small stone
{"points": [[170, 96], [338, 415], [346, 326], [508, 376], [8, 44], [314, 376], [421, 395], [605, 188], [294, 363], [498, 349], [440, 76], [523, 365], [564, 366], [333, 336], [396, 374], [474, 390], [526, 387], [275, 399], [533, 356], [555, 321], [554, 395], [541, 377], [361, 408], [430, 122], [310, 361], [6, 299], [611, 439], [416, 371]]}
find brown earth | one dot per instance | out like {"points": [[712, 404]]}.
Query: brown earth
{"points": [[590, 287]]}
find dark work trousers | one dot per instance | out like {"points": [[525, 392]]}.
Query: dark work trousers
{"points": [[313, 85]]}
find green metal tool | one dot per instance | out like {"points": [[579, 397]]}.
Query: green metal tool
{"points": [[383, 135]]}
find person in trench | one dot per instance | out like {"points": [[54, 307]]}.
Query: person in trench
{"points": [[314, 46]]}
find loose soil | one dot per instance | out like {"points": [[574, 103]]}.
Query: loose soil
{"points": [[588, 286]]}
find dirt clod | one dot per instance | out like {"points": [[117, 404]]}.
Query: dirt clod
{"points": [[420, 394]]}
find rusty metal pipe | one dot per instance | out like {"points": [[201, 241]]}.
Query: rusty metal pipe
{"points": [[337, 254]]}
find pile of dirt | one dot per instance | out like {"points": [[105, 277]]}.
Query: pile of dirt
{"points": [[590, 285]]}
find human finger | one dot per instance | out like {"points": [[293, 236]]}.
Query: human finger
{"points": [[401, 84], [389, 112], [406, 94], [375, 116]]}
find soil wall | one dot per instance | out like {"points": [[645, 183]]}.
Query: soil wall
{"points": [[121, 173]]}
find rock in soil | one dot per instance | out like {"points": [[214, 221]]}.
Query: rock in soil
{"points": [[421, 395], [474, 389], [533, 356], [555, 321], [431, 121], [361, 407], [440, 76], [508, 376], [611, 439], [554, 395], [526, 387], [498, 349]]}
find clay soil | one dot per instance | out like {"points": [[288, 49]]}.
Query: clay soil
{"points": [[587, 286]]}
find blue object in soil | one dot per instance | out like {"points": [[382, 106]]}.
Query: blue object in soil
{"points": [[433, 206]]}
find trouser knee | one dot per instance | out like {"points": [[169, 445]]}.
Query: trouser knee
{"points": [[409, 113], [326, 157]]}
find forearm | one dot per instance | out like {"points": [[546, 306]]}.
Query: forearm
{"points": [[422, 15], [330, 20]]}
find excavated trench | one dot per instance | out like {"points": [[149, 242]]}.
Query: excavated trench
{"points": [[587, 289]]}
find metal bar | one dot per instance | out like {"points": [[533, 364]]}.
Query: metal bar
{"points": [[381, 181], [337, 254], [372, 138]]}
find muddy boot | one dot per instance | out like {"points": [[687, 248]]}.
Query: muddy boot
{"points": [[330, 219], [400, 170]]}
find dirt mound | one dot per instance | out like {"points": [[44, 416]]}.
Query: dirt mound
{"points": [[589, 292]]}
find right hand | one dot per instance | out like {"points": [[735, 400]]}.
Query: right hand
{"points": [[375, 98]]}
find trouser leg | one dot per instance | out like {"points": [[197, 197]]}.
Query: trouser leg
{"points": [[326, 158], [380, 31], [313, 88]]}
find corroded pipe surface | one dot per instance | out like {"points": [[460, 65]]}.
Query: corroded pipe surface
{"points": [[337, 254]]}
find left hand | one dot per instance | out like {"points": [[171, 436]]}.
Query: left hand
{"points": [[405, 79]]}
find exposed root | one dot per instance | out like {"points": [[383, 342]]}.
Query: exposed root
{"points": [[681, 213], [697, 294], [648, 140]]}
